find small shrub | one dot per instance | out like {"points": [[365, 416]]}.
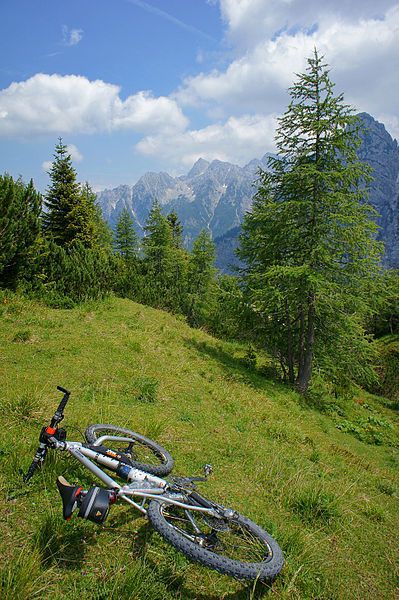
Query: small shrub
{"points": [[388, 369], [372, 430], [147, 389], [23, 408], [22, 336], [386, 487], [315, 505], [270, 371], [250, 358], [374, 513]]}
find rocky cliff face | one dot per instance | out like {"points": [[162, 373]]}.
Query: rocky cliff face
{"points": [[215, 195], [381, 152]]}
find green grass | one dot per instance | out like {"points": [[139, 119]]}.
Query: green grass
{"points": [[329, 496]]}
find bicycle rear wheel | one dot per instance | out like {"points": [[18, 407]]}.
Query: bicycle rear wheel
{"points": [[233, 545], [143, 453]]}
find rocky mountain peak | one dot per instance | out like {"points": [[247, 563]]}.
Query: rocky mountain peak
{"points": [[198, 168]]}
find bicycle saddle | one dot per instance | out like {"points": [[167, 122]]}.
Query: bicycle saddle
{"points": [[69, 495]]}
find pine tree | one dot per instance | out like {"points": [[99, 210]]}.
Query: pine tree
{"points": [[165, 265], [309, 242], [85, 222], [62, 199], [20, 207], [157, 241], [125, 240], [177, 229], [72, 214], [201, 277]]}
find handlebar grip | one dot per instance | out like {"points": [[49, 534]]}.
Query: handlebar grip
{"points": [[64, 400], [63, 390]]}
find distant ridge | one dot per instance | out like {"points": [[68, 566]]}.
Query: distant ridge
{"points": [[216, 194]]}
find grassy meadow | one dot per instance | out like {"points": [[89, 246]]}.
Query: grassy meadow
{"points": [[321, 475]]}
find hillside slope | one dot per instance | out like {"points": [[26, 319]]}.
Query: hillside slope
{"points": [[329, 498]]}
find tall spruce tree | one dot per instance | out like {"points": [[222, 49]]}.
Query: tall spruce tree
{"points": [[125, 239], [201, 277], [309, 242], [62, 198], [165, 265], [157, 241], [72, 214]]}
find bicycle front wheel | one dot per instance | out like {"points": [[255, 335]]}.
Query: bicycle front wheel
{"points": [[233, 545], [143, 453]]}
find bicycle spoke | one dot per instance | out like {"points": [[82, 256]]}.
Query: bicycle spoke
{"points": [[233, 540]]}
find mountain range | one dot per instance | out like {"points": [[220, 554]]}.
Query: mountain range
{"points": [[215, 195]]}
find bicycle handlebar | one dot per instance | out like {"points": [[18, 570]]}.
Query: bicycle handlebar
{"points": [[46, 433], [59, 413]]}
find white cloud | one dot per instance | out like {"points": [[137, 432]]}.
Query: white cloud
{"points": [[55, 104], [237, 140], [71, 37], [252, 21], [363, 52], [391, 123], [46, 165], [74, 152]]}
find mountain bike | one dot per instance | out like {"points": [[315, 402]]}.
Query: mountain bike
{"points": [[206, 532]]}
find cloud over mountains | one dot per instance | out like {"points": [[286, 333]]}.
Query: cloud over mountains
{"points": [[268, 42], [56, 104]]}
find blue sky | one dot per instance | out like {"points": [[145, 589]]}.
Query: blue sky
{"points": [[133, 85]]}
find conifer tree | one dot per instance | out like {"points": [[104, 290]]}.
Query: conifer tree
{"points": [[201, 275], [309, 242], [177, 229], [125, 239], [72, 214], [62, 199], [165, 265], [20, 207], [85, 222], [157, 241]]}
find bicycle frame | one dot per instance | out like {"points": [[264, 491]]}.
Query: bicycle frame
{"points": [[152, 486]]}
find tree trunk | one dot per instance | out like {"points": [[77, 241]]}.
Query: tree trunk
{"points": [[290, 353], [305, 372]]}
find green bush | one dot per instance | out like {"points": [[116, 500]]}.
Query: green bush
{"points": [[372, 430], [315, 505]]}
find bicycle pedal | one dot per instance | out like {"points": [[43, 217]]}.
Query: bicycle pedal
{"points": [[208, 470]]}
